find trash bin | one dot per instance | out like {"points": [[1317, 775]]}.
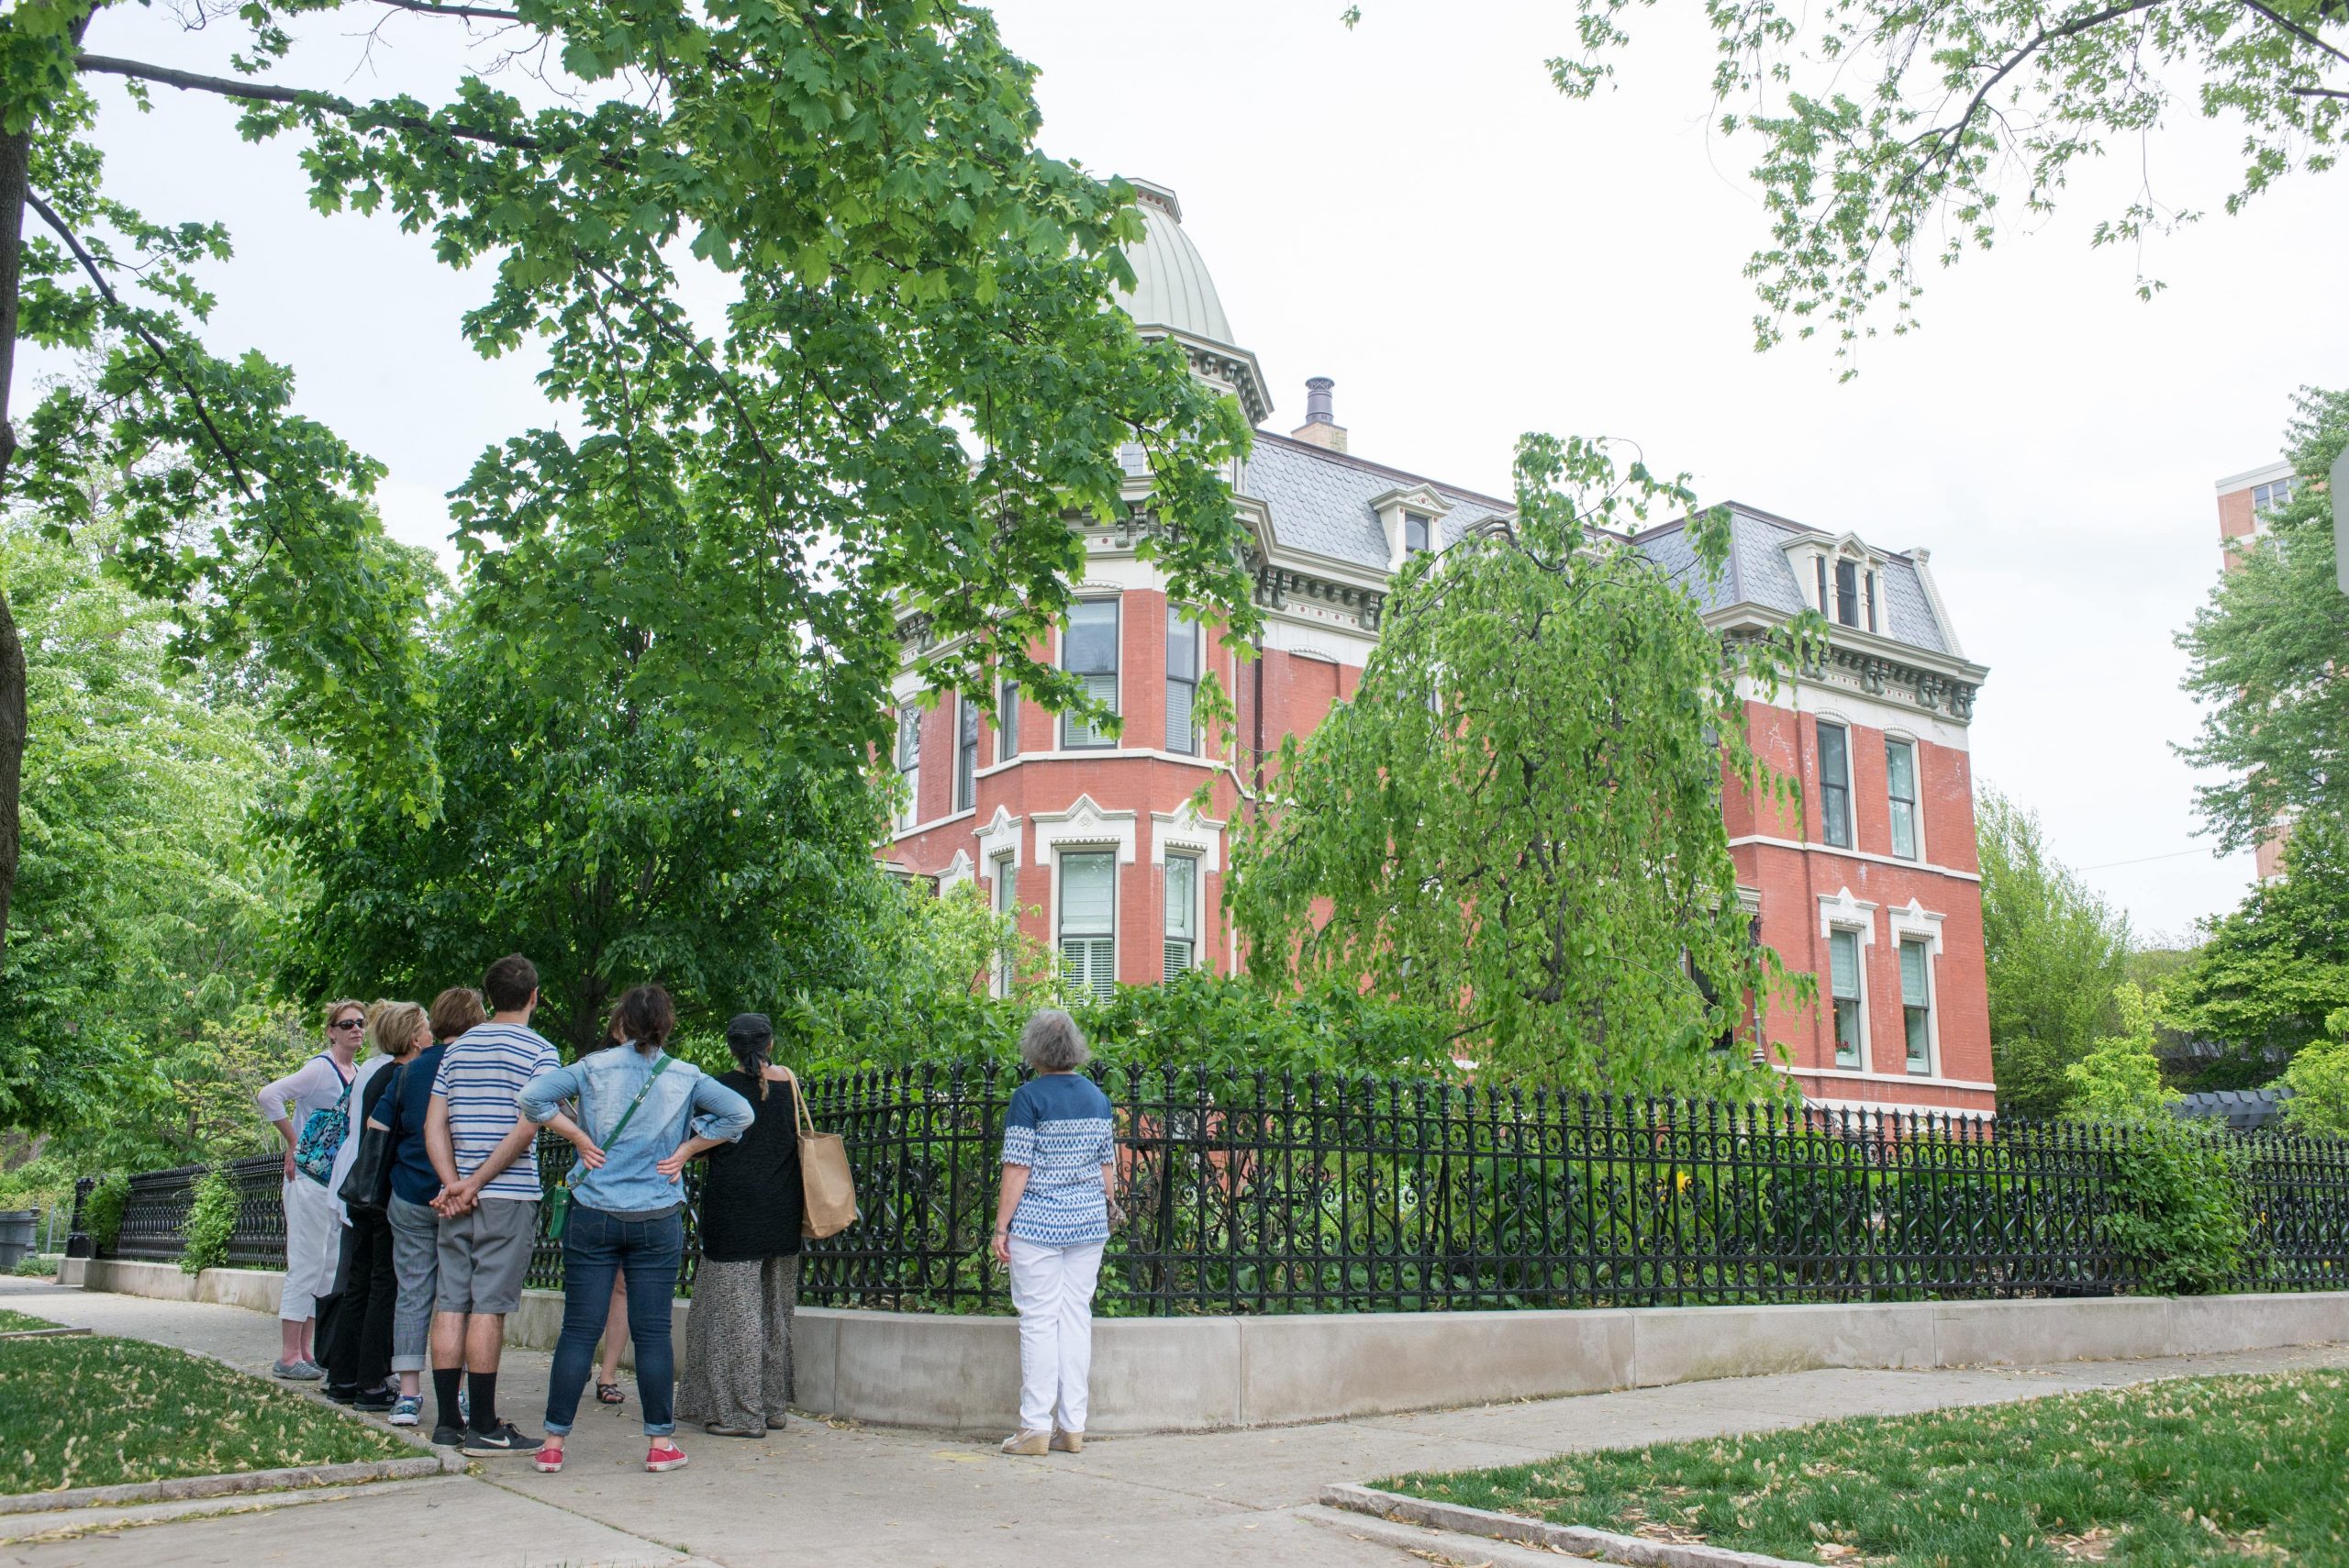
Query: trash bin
{"points": [[16, 1228]]}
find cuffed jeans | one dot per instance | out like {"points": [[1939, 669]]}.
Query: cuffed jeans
{"points": [[649, 1253], [416, 1265], [1053, 1288]]}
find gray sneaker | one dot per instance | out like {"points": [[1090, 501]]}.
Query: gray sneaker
{"points": [[297, 1372]]}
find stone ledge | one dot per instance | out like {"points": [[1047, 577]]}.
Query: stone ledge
{"points": [[1575, 1540], [944, 1373], [181, 1488]]}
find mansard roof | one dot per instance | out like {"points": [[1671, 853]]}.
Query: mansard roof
{"points": [[1322, 503]]}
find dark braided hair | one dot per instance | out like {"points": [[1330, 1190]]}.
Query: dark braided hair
{"points": [[753, 1049], [647, 1017]]}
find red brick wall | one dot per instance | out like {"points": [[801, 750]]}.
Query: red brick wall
{"points": [[1297, 691]]}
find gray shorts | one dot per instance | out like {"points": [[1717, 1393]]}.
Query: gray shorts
{"points": [[485, 1256]]}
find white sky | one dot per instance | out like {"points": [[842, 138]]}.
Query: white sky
{"points": [[1411, 209]]}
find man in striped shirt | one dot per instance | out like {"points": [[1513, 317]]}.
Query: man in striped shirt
{"points": [[480, 1144]]}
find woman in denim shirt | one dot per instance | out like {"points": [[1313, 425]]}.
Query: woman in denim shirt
{"points": [[627, 1206]]}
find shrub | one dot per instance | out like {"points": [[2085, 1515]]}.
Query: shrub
{"points": [[36, 1266], [2121, 1080], [2318, 1077], [102, 1210], [2176, 1219], [211, 1220]]}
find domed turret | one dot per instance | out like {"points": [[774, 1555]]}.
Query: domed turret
{"points": [[1173, 296]]}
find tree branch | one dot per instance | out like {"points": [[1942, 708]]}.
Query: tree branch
{"points": [[479, 13], [302, 99], [2301, 32], [130, 319]]}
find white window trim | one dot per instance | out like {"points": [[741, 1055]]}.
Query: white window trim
{"points": [[1390, 506], [1916, 782], [1083, 826], [1851, 795], [1118, 754], [999, 837], [1003, 874], [1917, 924], [1845, 913], [957, 872], [1086, 847], [1201, 838], [1199, 903], [1059, 663]]}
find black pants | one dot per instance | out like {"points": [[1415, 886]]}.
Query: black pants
{"points": [[358, 1348]]}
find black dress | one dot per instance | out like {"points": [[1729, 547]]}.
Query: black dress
{"points": [[752, 1201]]}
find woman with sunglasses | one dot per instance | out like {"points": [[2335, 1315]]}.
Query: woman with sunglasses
{"points": [[313, 1225]]}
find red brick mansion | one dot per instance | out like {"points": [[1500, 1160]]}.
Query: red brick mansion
{"points": [[1090, 841]]}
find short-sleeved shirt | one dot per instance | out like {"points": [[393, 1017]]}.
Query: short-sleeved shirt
{"points": [[1060, 1127], [413, 1178], [481, 1078]]}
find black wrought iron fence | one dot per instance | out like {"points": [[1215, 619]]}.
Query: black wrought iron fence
{"points": [[1265, 1192]]}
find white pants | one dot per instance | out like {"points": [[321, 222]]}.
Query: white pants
{"points": [[313, 1247], [1053, 1288]]}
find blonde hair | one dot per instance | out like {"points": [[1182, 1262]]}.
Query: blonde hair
{"points": [[336, 1009], [401, 1021]]}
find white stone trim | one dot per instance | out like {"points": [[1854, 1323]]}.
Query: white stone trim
{"points": [[1844, 913], [1084, 825], [1391, 505], [2254, 476], [1337, 640], [1808, 847], [1849, 913], [1182, 831], [1000, 836], [1861, 1075], [1848, 705], [957, 872], [1115, 753], [1916, 923], [934, 824]]}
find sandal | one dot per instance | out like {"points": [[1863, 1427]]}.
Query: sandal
{"points": [[610, 1393]]}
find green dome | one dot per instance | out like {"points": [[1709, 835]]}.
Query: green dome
{"points": [[1172, 286]]}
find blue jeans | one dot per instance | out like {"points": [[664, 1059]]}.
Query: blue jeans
{"points": [[649, 1252]]}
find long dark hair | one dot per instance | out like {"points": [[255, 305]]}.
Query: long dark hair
{"points": [[647, 1017]]}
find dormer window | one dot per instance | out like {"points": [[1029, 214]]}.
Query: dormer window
{"points": [[1843, 580], [1414, 533], [1410, 518]]}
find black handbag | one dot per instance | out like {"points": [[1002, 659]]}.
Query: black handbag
{"points": [[368, 1186]]}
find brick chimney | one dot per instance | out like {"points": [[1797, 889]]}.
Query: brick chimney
{"points": [[1319, 427]]}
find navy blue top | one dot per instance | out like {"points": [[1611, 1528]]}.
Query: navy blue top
{"points": [[412, 1177]]}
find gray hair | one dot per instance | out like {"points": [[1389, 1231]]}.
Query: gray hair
{"points": [[1052, 1043]]}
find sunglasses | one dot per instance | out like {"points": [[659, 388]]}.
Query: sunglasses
{"points": [[349, 1023]]}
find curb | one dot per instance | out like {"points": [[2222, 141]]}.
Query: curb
{"points": [[1578, 1541], [189, 1486]]}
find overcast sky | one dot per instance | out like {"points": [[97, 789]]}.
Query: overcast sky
{"points": [[1410, 209]]}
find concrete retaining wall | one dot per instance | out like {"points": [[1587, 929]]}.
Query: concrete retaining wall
{"points": [[1201, 1374]]}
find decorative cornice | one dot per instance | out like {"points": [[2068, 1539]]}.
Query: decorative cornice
{"points": [[1277, 586], [1879, 672]]}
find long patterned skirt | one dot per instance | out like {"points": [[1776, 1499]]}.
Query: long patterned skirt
{"points": [[737, 1377]]}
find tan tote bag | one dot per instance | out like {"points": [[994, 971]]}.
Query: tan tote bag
{"points": [[830, 1205]]}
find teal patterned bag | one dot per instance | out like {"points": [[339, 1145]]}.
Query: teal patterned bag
{"points": [[323, 1132]]}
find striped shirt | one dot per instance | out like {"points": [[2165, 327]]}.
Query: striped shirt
{"points": [[1059, 1127], [482, 1077]]}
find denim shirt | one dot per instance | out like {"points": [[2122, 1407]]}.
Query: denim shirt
{"points": [[684, 1102]]}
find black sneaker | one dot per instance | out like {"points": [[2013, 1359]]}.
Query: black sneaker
{"points": [[339, 1394], [447, 1436], [375, 1401], [500, 1438]]}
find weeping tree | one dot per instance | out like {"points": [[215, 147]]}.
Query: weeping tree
{"points": [[1517, 818], [909, 383]]}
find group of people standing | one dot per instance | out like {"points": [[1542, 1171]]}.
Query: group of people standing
{"points": [[456, 1095]]}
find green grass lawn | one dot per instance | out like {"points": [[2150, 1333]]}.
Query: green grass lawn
{"points": [[17, 1322], [2207, 1470], [97, 1412]]}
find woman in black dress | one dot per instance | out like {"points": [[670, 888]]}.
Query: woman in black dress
{"points": [[736, 1377]]}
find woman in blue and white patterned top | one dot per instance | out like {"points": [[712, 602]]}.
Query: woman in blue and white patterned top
{"points": [[1060, 1151]]}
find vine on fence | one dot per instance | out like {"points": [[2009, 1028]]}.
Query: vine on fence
{"points": [[211, 1221]]}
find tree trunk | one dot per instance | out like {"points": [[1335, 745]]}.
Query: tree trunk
{"points": [[14, 154]]}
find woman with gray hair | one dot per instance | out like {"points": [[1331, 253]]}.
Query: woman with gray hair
{"points": [[1059, 1151]]}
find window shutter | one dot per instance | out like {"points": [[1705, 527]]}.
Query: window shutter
{"points": [[1090, 963], [1912, 974], [1102, 689], [1843, 963], [1178, 717], [1178, 957]]}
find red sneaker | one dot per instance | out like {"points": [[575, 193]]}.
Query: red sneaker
{"points": [[665, 1455], [547, 1459]]}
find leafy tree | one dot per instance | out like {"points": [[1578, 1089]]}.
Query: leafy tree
{"points": [[2271, 971], [2268, 656], [2054, 951], [1515, 822], [142, 911], [1893, 138], [907, 386], [2318, 1077], [2121, 1078], [608, 839]]}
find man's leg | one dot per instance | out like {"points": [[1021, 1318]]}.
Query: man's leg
{"points": [[453, 1299]]}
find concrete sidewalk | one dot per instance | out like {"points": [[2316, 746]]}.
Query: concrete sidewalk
{"points": [[842, 1494]]}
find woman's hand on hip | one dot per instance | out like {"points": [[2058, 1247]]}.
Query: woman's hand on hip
{"points": [[673, 1167]]}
